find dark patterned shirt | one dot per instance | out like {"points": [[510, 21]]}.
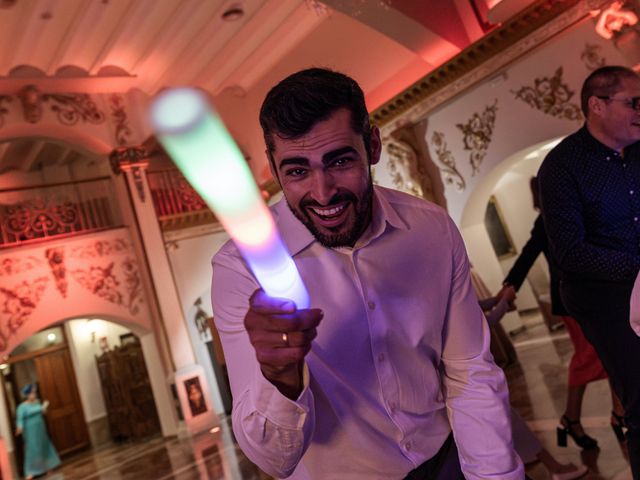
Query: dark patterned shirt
{"points": [[591, 208]]}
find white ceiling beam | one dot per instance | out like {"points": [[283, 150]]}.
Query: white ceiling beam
{"points": [[254, 33]]}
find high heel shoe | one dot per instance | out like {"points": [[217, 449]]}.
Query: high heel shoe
{"points": [[618, 426], [566, 429]]}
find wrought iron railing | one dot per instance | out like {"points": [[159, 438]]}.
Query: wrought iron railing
{"points": [[32, 214], [176, 203]]}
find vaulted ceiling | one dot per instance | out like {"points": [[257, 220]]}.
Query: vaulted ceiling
{"points": [[225, 46]]}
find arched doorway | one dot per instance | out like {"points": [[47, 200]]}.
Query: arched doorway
{"points": [[505, 189], [94, 374]]}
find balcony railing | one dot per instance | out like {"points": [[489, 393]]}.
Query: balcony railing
{"points": [[33, 214], [176, 203]]}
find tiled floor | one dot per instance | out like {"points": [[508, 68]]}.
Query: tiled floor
{"points": [[537, 386], [538, 392]]}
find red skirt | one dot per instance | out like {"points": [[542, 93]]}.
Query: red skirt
{"points": [[585, 364]]}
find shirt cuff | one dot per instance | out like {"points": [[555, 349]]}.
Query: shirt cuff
{"points": [[280, 410]]}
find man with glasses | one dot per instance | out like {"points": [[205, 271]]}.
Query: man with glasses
{"points": [[590, 192]]}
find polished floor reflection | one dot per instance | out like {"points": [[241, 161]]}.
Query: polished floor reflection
{"points": [[538, 392], [538, 389]]}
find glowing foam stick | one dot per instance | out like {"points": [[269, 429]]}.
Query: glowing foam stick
{"points": [[203, 150]]}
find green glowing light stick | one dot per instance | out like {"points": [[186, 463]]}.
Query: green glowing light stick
{"points": [[203, 150]]}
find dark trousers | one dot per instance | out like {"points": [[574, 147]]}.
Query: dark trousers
{"points": [[602, 310], [444, 465]]}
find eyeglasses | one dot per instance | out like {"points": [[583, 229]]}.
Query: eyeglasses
{"points": [[632, 102]]}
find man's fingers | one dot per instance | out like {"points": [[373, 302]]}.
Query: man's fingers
{"points": [[291, 322], [262, 303]]}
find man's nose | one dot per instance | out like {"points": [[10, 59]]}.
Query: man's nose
{"points": [[323, 189]]}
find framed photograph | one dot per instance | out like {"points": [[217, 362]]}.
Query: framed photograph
{"points": [[197, 403], [497, 230]]}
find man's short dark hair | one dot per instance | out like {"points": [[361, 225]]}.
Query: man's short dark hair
{"points": [[603, 82], [301, 100]]}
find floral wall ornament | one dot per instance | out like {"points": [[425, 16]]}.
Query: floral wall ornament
{"points": [[71, 108], [14, 266], [551, 96], [478, 132], [55, 256], [100, 281], [133, 285], [4, 110], [100, 248], [17, 304], [120, 119], [451, 174], [591, 57]]}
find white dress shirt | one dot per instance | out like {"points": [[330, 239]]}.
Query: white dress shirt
{"points": [[401, 354]]}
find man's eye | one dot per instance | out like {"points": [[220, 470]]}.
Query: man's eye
{"points": [[340, 162], [295, 172]]}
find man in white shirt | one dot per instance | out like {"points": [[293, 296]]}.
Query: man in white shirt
{"points": [[394, 354]]}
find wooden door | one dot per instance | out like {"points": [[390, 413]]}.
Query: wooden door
{"points": [[65, 419]]}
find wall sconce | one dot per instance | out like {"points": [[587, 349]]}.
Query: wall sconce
{"points": [[201, 319], [31, 103]]}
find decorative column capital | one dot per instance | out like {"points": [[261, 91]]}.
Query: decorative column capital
{"points": [[134, 159]]}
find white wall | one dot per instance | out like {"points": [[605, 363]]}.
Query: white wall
{"points": [[83, 352], [190, 261]]}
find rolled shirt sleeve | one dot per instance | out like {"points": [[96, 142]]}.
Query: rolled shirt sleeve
{"points": [[271, 429], [475, 387]]}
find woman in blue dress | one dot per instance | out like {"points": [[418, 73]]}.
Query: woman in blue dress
{"points": [[40, 455]]}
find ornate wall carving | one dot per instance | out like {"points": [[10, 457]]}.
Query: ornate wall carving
{"points": [[591, 56], [551, 96], [514, 38], [448, 163], [70, 108], [120, 120], [100, 268], [477, 133]]}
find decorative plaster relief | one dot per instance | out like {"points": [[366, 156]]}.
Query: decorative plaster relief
{"points": [[120, 120], [551, 96], [103, 281], [55, 256], [12, 266], [17, 305], [73, 107], [451, 174], [402, 158], [477, 134], [591, 57]]}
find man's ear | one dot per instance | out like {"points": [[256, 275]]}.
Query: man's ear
{"points": [[375, 145], [595, 105]]}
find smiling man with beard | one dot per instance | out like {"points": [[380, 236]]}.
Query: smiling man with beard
{"points": [[392, 362]]}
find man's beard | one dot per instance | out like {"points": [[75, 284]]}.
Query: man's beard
{"points": [[362, 209]]}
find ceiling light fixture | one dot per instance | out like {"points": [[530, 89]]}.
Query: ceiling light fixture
{"points": [[233, 13]]}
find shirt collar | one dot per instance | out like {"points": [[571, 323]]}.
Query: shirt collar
{"points": [[595, 145], [297, 237]]}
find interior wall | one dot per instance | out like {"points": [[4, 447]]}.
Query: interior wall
{"points": [[190, 261], [84, 347]]}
